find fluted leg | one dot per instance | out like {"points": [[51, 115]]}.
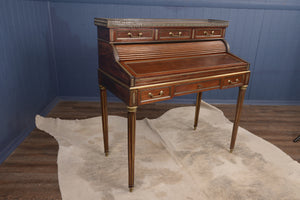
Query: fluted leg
{"points": [[198, 102], [239, 106], [131, 145], [104, 118]]}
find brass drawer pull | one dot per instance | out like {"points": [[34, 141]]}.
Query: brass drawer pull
{"points": [[152, 96], [132, 36], [207, 33], [174, 35], [232, 82]]}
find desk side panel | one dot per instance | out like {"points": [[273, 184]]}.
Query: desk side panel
{"points": [[109, 64], [121, 91], [103, 33]]}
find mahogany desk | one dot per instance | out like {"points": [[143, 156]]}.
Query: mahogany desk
{"points": [[148, 60]]}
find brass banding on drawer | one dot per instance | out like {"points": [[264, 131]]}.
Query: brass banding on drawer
{"points": [[233, 81], [174, 34], [133, 34], [197, 86], [155, 94], [208, 33]]}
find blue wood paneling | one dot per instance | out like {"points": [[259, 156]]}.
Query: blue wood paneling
{"points": [[277, 67], [27, 77], [240, 4]]}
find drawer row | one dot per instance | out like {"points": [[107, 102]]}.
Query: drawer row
{"points": [[161, 34], [151, 95]]}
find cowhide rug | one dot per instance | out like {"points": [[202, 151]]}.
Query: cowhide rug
{"points": [[173, 162]]}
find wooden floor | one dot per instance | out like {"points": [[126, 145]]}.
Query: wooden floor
{"points": [[31, 171]]}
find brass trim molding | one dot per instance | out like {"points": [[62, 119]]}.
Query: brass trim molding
{"points": [[140, 23], [197, 90], [163, 41], [133, 97], [244, 87], [114, 79], [112, 34], [102, 87], [131, 108], [172, 82], [156, 34], [214, 70], [189, 80], [193, 33]]}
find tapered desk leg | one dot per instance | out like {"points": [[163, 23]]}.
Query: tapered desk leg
{"points": [[104, 118], [198, 102], [238, 110], [131, 145]]}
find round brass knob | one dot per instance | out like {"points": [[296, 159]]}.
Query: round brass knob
{"points": [[130, 34], [237, 80], [140, 34], [212, 32], [205, 33], [179, 33]]}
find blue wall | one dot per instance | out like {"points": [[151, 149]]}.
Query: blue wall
{"points": [[267, 35], [253, 4], [277, 64], [27, 75]]}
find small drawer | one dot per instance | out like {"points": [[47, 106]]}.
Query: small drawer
{"points": [[174, 34], [133, 34], [208, 33], [152, 95], [198, 86], [233, 81]]}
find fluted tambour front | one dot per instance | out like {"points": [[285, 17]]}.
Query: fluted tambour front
{"points": [[161, 50]]}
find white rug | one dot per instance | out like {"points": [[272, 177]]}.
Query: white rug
{"points": [[173, 162]]}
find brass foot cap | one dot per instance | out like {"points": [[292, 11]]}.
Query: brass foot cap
{"points": [[231, 150], [106, 154], [130, 189], [195, 127]]}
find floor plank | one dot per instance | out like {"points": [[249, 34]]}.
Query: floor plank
{"points": [[31, 171]]}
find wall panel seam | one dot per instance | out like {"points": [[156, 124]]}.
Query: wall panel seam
{"points": [[52, 46], [252, 69]]}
